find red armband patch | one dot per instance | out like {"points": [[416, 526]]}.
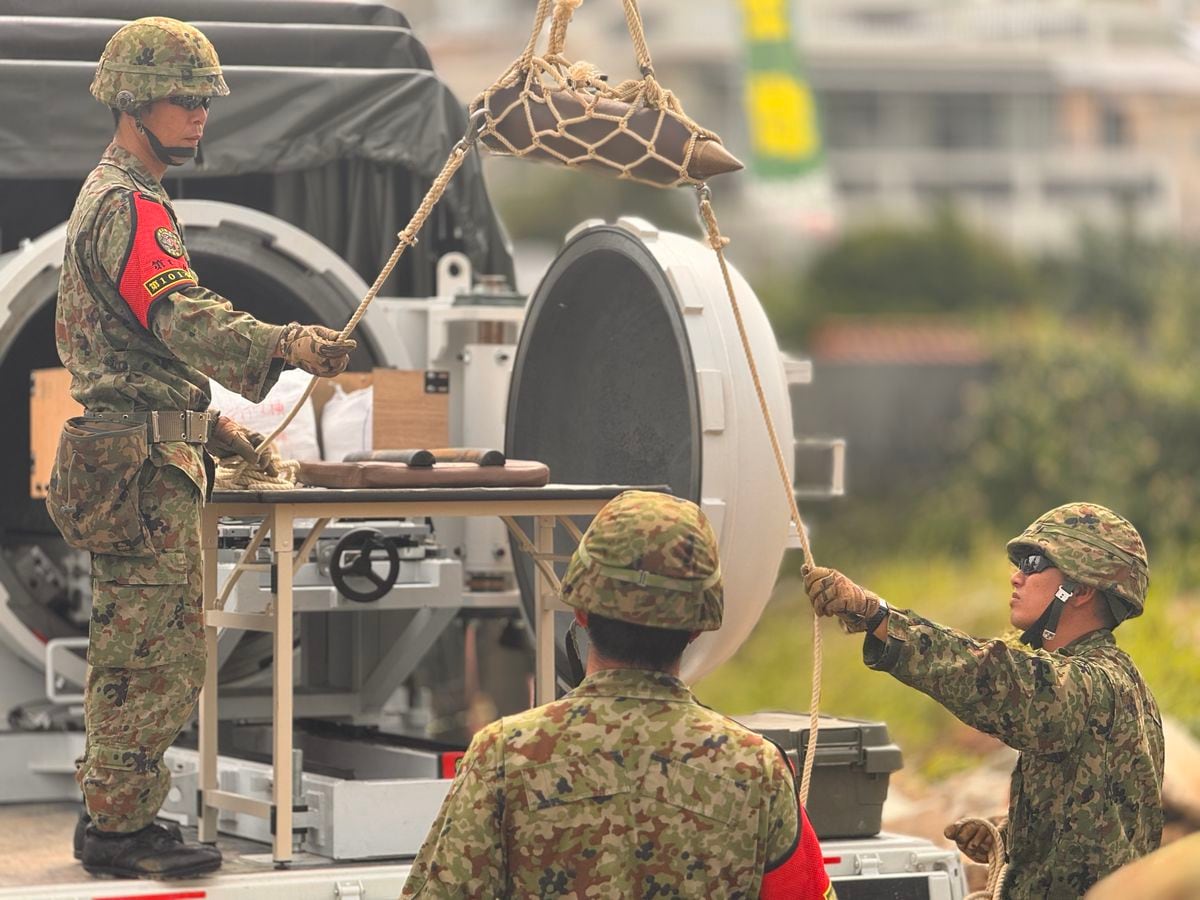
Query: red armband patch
{"points": [[801, 876], [155, 264]]}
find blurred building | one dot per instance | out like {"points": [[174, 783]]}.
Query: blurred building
{"points": [[1032, 117]]}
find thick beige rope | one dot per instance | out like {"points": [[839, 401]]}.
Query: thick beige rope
{"points": [[997, 864], [633, 20], [241, 476], [647, 90], [718, 242], [563, 10]]}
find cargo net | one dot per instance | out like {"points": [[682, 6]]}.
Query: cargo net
{"points": [[551, 109]]}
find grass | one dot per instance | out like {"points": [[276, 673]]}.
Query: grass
{"points": [[772, 670]]}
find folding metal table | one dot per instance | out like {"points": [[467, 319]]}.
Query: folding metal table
{"points": [[546, 506]]}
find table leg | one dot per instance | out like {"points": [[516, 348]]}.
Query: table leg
{"points": [[281, 751], [208, 693], [543, 596]]}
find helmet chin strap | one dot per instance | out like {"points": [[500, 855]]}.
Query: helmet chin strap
{"points": [[1046, 625], [171, 156]]}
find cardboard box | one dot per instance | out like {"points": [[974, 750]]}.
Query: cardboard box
{"points": [[50, 404], [410, 407]]}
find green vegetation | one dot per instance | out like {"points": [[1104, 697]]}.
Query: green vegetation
{"points": [[938, 267]]}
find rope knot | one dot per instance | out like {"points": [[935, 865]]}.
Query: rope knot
{"points": [[584, 74]]}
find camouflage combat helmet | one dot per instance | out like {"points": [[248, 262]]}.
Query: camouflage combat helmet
{"points": [[1094, 546], [153, 58], [649, 559]]}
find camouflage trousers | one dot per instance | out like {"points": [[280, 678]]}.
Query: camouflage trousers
{"points": [[145, 656]]}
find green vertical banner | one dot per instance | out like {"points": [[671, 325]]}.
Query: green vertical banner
{"points": [[784, 128]]}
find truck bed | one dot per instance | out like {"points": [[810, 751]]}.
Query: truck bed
{"points": [[36, 863]]}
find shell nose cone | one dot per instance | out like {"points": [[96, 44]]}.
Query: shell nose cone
{"points": [[711, 158]]}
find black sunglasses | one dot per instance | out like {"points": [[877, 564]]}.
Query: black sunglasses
{"points": [[190, 101], [1034, 563]]}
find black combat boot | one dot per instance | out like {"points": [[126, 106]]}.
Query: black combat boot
{"points": [[85, 820], [152, 852]]}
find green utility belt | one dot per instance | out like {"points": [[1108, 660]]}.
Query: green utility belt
{"points": [[163, 425]]}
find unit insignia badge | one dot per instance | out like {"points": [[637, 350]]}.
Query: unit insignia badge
{"points": [[169, 241]]}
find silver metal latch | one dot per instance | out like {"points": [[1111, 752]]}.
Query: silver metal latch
{"points": [[867, 864]]}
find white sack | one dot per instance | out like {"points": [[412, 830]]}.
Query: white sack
{"points": [[346, 422], [299, 440]]}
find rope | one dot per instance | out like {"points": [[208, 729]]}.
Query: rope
{"points": [[718, 242], [563, 10], [526, 58], [240, 475], [633, 19], [997, 864]]}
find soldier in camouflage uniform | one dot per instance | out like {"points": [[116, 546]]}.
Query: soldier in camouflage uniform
{"points": [[1086, 794], [627, 787], [141, 338]]}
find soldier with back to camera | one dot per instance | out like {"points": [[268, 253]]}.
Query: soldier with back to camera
{"points": [[627, 787], [141, 338], [1086, 794]]}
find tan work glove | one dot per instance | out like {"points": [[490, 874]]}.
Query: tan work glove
{"points": [[315, 349], [833, 594], [973, 837], [229, 438]]}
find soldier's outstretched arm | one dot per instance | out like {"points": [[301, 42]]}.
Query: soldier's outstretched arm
{"points": [[135, 246], [463, 854], [1030, 699]]}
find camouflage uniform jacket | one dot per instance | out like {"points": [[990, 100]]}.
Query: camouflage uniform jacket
{"points": [[116, 363], [1086, 793], [626, 787]]}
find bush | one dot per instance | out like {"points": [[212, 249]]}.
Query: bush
{"points": [[1079, 415], [942, 266]]}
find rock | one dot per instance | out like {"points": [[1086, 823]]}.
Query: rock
{"points": [[924, 810]]}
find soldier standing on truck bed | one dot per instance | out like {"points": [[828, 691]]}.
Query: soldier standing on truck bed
{"points": [[627, 787], [1086, 794], [141, 338]]}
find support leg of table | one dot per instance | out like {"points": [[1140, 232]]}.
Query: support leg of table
{"points": [[208, 694], [281, 751], [543, 596]]}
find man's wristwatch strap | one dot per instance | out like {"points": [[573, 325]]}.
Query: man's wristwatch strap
{"points": [[878, 616]]}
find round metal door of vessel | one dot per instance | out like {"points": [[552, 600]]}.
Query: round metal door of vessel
{"points": [[630, 371], [271, 268]]}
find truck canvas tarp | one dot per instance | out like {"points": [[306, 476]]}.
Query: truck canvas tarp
{"points": [[336, 123]]}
